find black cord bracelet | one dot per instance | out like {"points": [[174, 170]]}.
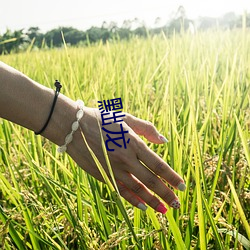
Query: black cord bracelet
{"points": [[58, 87]]}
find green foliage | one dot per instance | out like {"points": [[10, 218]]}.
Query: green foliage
{"points": [[13, 41], [195, 89], [71, 35], [20, 41]]}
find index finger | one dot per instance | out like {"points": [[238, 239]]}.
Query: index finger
{"points": [[144, 128]]}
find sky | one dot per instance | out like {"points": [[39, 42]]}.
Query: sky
{"points": [[81, 14]]}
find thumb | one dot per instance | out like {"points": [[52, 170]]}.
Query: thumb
{"points": [[144, 128]]}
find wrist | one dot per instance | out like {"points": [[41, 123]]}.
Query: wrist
{"points": [[61, 120]]}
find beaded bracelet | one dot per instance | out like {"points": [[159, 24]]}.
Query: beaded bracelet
{"points": [[74, 127]]}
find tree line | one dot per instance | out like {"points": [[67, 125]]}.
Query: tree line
{"points": [[20, 40]]}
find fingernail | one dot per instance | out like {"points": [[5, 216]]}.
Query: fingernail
{"points": [[161, 208], [181, 186], [163, 138], [175, 204], [142, 206]]}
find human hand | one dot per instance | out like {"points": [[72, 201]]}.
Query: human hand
{"points": [[137, 169]]}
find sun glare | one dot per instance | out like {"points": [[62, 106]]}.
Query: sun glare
{"points": [[82, 16]]}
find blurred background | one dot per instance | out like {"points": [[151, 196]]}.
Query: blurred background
{"points": [[22, 22]]}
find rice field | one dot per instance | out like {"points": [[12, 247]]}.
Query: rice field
{"points": [[195, 89]]}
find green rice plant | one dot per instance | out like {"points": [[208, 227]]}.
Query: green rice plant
{"points": [[195, 89]]}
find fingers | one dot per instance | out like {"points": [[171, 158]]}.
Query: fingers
{"points": [[137, 188], [137, 194], [160, 167], [148, 157], [131, 197], [154, 183], [144, 128]]}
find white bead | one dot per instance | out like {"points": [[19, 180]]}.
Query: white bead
{"points": [[69, 138], [75, 126], [62, 149], [79, 114], [80, 104]]}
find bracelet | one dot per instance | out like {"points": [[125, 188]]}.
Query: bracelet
{"points": [[58, 87], [74, 127]]}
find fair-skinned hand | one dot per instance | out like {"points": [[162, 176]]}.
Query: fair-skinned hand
{"points": [[135, 181], [139, 172]]}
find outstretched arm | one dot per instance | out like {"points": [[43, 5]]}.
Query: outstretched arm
{"points": [[28, 103], [137, 169]]}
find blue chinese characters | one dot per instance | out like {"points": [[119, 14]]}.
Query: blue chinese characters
{"points": [[108, 117]]}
